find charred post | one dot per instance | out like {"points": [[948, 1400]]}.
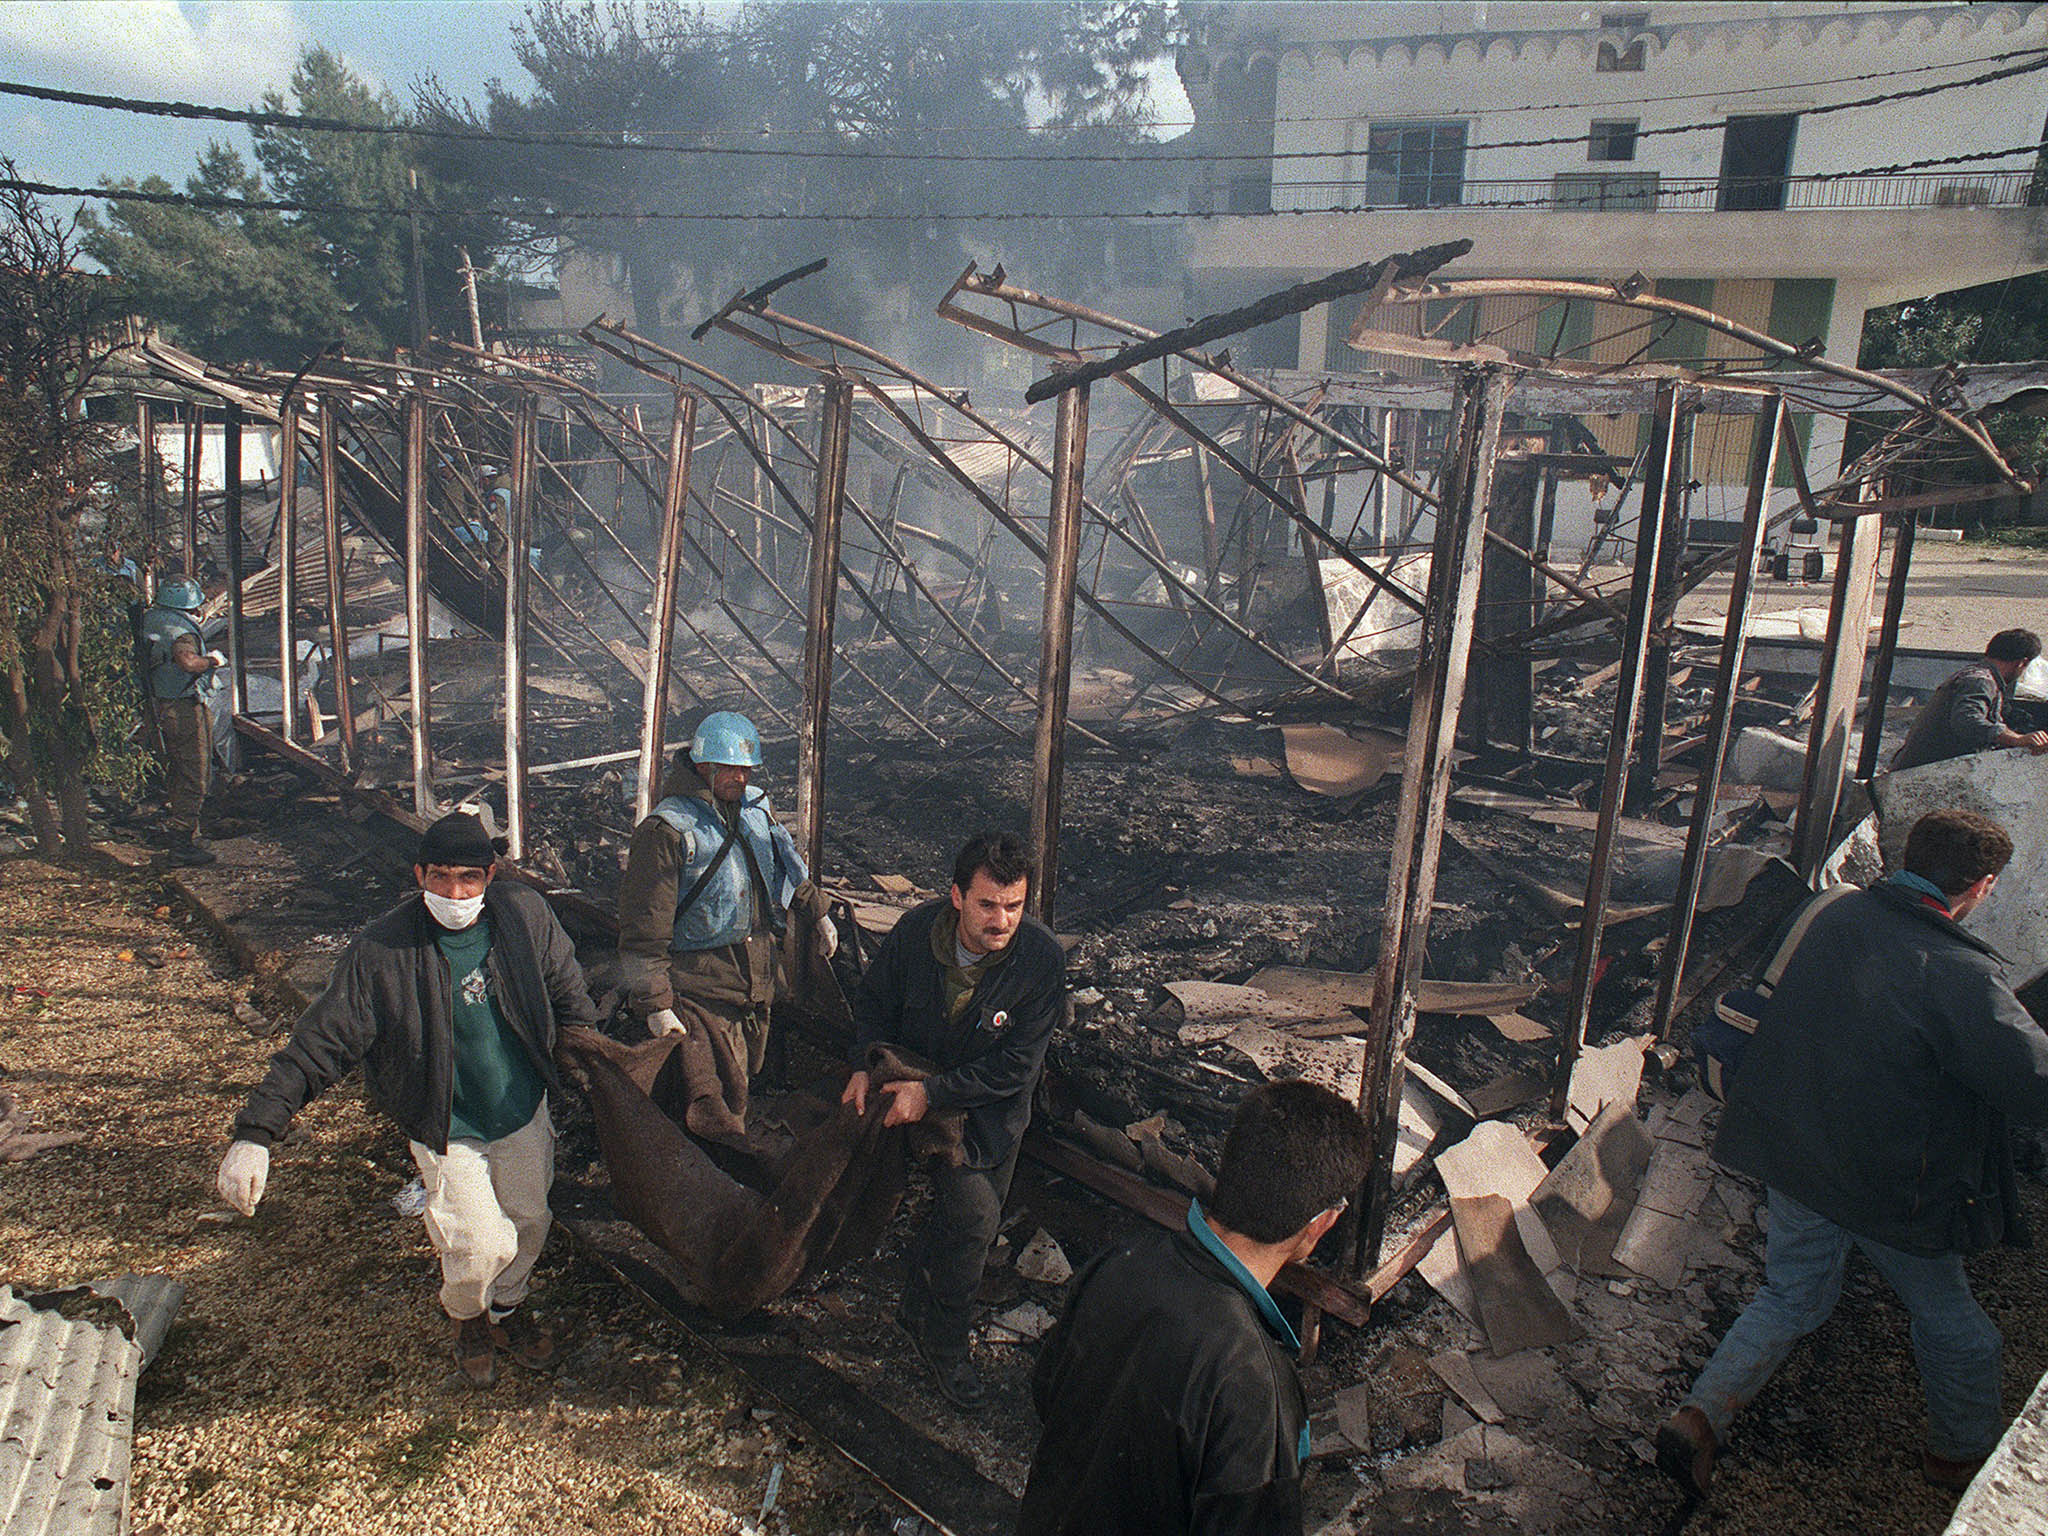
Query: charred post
{"points": [[1763, 466], [1887, 644], [835, 432], [1841, 680], [146, 472], [661, 627], [231, 471], [1446, 647], [417, 610], [1642, 778], [1653, 527], [287, 544], [518, 580], [195, 452], [1056, 652], [337, 586]]}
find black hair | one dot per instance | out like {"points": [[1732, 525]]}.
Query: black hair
{"points": [[1294, 1150], [2013, 645], [1956, 849], [1005, 857]]}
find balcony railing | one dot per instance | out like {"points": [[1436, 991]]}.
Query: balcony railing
{"points": [[1645, 191]]}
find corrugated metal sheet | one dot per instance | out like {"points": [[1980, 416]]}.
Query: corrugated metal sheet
{"points": [[152, 1301], [67, 1406]]}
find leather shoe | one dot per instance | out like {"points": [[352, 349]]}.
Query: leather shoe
{"points": [[1685, 1450], [526, 1340], [1944, 1473], [959, 1383], [476, 1355]]}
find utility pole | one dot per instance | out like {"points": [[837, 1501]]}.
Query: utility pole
{"points": [[419, 274]]}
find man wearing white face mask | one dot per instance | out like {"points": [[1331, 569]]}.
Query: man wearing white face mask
{"points": [[450, 1002]]}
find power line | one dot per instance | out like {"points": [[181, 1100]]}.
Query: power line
{"points": [[219, 202], [619, 141]]}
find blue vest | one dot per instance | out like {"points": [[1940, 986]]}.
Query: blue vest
{"points": [[723, 911], [162, 629]]}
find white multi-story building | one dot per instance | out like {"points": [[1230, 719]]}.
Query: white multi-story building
{"points": [[1769, 161]]}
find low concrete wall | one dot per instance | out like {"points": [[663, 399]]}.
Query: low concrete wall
{"points": [[2010, 1496]]}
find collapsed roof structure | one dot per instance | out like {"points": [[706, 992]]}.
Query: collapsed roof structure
{"points": [[874, 556]]}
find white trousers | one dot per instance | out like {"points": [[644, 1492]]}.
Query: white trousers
{"points": [[487, 1214]]}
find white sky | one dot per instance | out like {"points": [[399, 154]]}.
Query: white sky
{"points": [[216, 54], [228, 53]]}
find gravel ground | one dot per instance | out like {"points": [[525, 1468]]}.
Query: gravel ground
{"points": [[306, 1384]]}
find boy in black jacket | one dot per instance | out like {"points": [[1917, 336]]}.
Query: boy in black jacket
{"points": [[974, 987], [1168, 1392]]}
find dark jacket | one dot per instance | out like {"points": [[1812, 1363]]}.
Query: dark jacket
{"points": [[986, 1064], [386, 1006], [1884, 1068], [1964, 715], [1169, 1406]]}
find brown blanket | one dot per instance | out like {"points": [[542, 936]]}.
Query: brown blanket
{"points": [[824, 1194]]}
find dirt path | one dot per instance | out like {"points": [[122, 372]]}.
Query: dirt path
{"points": [[305, 1385]]}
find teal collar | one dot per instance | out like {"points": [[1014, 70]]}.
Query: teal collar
{"points": [[1926, 889], [1269, 1313]]}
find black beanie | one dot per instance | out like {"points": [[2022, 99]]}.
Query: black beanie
{"points": [[458, 841]]}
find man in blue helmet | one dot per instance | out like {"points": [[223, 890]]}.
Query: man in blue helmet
{"points": [[712, 880], [177, 666]]}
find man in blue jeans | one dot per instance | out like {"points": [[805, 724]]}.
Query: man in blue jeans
{"points": [[1873, 1103]]}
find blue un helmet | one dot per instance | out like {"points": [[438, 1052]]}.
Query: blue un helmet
{"points": [[726, 737], [183, 593]]}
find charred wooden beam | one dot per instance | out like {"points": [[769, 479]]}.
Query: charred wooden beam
{"points": [[1835, 694], [1653, 527], [337, 592], [1369, 277], [238, 648], [195, 451], [1763, 463], [1642, 777], [416, 603], [835, 431], [287, 542], [1439, 691], [518, 571], [146, 476], [1056, 643], [661, 628], [1630, 297], [1887, 643]]}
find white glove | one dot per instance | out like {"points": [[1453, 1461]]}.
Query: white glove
{"points": [[663, 1021], [243, 1173], [217, 658], [826, 939]]}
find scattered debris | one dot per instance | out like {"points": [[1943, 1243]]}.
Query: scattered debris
{"points": [[18, 1143], [1042, 1260], [1021, 1324]]}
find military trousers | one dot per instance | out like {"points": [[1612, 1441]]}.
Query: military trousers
{"points": [[187, 728]]}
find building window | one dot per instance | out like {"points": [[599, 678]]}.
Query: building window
{"points": [[1613, 59], [1616, 57], [1612, 138], [1415, 165], [1593, 191]]}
